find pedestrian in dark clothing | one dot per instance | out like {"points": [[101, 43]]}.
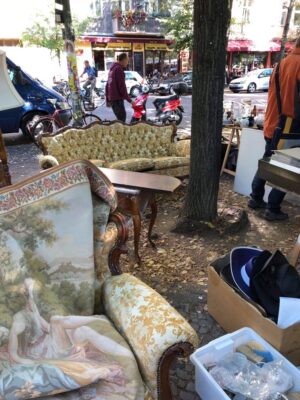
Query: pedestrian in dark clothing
{"points": [[116, 91], [282, 121]]}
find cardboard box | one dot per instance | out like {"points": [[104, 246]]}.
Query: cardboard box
{"points": [[232, 312]]}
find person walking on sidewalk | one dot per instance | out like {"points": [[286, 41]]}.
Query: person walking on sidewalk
{"points": [[116, 91], [282, 121]]}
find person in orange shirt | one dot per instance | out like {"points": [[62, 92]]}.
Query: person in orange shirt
{"points": [[282, 116]]}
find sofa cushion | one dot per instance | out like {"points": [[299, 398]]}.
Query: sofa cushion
{"points": [[181, 148], [169, 162], [133, 164]]}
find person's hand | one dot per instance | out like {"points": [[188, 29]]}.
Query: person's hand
{"points": [[132, 103]]}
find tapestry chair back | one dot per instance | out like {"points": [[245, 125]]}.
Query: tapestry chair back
{"points": [[49, 336]]}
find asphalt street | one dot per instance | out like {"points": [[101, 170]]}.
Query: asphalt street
{"points": [[23, 154]]}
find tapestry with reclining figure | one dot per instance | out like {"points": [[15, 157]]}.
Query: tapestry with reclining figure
{"points": [[50, 341]]}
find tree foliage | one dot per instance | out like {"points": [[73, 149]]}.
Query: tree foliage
{"points": [[180, 25], [45, 33]]}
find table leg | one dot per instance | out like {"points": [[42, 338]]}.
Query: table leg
{"points": [[137, 223], [153, 206]]}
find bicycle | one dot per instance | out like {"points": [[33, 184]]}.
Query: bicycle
{"points": [[59, 119], [62, 87], [86, 102]]}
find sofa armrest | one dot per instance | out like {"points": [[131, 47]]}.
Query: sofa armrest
{"points": [[47, 161], [182, 148], [156, 332]]}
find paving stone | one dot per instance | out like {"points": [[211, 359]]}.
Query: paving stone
{"points": [[183, 374], [188, 396], [181, 384], [190, 387]]}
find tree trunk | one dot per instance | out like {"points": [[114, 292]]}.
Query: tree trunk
{"points": [[211, 22], [286, 28], [72, 65]]}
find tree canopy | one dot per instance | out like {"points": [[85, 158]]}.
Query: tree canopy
{"points": [[180, 25], [44, 33]]}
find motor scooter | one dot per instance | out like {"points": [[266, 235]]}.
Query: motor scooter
{"points": [[168, 109]]}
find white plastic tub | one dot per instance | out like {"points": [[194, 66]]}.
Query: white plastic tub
{"points": [[206, 387]]}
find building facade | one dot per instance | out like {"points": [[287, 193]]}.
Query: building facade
{"points": [[133, 26], [256, 31]]}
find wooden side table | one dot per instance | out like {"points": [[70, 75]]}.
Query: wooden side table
{"points": [[136, 191]]}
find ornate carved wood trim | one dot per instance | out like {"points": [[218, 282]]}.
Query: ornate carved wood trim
{"points": [[119, 248], [183, 349]]}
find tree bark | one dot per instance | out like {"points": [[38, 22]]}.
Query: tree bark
{"points": [[286, 28], [211, 22], [72, 64]]}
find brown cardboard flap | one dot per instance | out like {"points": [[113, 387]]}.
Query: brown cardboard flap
{"points": [[232, 312]]}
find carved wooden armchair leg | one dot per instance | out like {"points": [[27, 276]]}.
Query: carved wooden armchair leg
{"points": [[120, 248], [168, 358]]}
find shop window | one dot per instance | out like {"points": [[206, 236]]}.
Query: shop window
{"points": [[297, 16], [246, 11]]}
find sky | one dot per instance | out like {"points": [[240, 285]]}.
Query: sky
{"points": [[17, 15]]}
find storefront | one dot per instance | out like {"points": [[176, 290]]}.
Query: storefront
{"points": [[245, 55], [145, 54]]}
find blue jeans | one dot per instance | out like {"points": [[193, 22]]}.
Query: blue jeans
{"points": [[258, 185]]}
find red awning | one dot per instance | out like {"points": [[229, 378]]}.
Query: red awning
{"points": [[249, 45], [238, 45]]}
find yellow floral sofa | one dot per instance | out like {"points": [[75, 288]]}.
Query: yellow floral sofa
{"points": [[72, 326], [138, 147]]}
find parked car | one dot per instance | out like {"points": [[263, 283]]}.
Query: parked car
{"points": [[258, 79], [132, 78], [188, 78], [184, 81], [39, 100]]}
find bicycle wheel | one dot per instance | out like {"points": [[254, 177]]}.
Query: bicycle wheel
{"points": [[43, 125], [89, 118]]}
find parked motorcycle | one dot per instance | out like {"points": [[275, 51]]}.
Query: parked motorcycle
{"points": [[168, 109]]}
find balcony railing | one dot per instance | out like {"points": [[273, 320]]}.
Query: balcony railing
{"points": [[150, 26]]}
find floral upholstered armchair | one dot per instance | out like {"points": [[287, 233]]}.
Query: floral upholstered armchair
{"points": [[138, 147], [71, 325]]}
